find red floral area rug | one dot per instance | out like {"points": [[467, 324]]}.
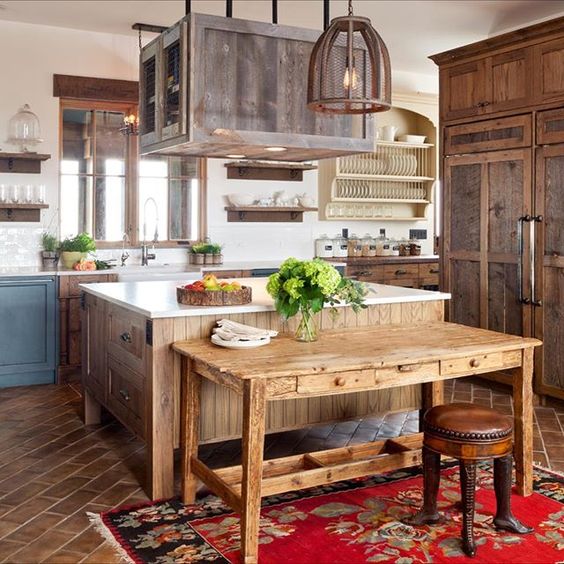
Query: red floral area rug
{"points": [[348, 522]]}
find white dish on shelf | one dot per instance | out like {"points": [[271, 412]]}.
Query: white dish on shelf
{"points": [[217, 340], [239, 199], [412, 138]]}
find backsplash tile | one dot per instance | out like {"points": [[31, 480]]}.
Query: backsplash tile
{"points": [[20, 246]]}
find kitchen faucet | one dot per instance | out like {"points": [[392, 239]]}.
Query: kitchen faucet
{"points": [[124, 253], [146, 256]]}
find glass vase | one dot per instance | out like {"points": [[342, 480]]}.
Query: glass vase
{"points": [[307, 328]]}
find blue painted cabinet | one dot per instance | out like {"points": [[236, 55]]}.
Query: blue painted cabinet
{"points": [[27, 331]]}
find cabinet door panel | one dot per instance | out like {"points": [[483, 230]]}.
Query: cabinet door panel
{"points": [[463, 90], [510, 76], [550, 127], [549, 71], [504, 309], [549, 260], [505, 204], [463, 187], [488, 135], [465, 289]]}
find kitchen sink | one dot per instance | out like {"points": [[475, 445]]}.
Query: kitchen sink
{"points": [[139, 273]]}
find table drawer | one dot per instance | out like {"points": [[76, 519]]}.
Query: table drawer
{"points": [[481, 363], [401, 271], [126, 335], [403, 372], [343, 381], [126, 396]]}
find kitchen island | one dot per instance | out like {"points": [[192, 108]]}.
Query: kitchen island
{"points": [[129, 366]]}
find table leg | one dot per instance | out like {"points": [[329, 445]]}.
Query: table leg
{"points": [[432, 393], [254, 414], [190, 426], [523, 425]]}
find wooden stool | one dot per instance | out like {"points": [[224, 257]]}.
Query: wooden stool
{"points": [[469, 433]]}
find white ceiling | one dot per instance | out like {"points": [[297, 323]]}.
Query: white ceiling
{"points": [[412, 29]]}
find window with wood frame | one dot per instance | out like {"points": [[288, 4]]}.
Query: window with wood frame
{"points": [[109, 191]]}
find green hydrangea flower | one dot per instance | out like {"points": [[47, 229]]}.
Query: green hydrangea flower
{"points": [[293, 287]]}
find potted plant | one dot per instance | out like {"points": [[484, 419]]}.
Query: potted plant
{"points": [[73, 249], [49, 255], [306, 286], [217, 257], [197, 252]]}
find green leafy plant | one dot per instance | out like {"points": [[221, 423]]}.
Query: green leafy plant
{"points": [[82, 243], [307, 285], [49, 242], [206, 247]]}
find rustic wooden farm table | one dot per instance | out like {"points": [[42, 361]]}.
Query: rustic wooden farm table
{"points": [[347, 360]]}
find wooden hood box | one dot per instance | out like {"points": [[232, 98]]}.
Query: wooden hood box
{"points": [[213, 86]]}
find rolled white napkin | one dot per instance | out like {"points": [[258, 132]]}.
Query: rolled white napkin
{"points": [[232, 331]]}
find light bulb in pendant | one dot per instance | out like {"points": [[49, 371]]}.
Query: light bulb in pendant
{"points": [[350, 79]]}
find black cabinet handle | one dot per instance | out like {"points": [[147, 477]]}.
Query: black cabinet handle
{"points": [[126, 337], [400, 272], [125, 395], [434, 271]]}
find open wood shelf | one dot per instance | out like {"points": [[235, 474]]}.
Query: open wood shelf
{"points": [[21, 212], [256, 214], [27, 163], [264, 170]]}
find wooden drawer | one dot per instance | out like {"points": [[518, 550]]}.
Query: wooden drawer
{"points": [[126, 336], [550, 127], [126, 396], [366, 272], [428, 270], [481, 363], [489, 135], [401, 271], [224, 273], [408, 373], [69, 285], [344, 381]]}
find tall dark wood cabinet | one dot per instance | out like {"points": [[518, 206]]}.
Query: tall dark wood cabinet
{"points": [[502, 129]]}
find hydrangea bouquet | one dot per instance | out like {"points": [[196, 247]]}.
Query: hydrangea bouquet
{"points": [[305, 286]]}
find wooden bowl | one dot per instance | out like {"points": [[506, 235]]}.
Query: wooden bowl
{"points": [[214, 298]]}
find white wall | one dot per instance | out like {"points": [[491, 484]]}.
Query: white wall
{"points": [[32, 54]]}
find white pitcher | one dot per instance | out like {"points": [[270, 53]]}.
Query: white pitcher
{"points": [[388, 132]]}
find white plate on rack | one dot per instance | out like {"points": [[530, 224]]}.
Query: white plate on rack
{"points": [[217, 340]]}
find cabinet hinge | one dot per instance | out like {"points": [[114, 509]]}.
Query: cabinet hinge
{"points": [[149, 332], [83, 301]]}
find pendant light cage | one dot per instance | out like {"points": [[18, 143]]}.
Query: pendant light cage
{"points": [[349, 69]]}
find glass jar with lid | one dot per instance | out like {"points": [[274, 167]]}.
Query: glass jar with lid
{"points": [[324, 247], [395, 248], [414, 248], [383, 247], [368, 246], [354, 246], [404, 248], [340, 246], [23, 129]]}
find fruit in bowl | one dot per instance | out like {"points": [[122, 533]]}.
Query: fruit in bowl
{"points": [[210, 291]]}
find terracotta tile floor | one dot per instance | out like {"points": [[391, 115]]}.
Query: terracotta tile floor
{"points": [[53, 469]]}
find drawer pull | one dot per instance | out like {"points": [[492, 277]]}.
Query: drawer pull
{"points": [[474, 363], [125, 395], [400, 272], [434, 271], [408, 367], [363, 273], [340, 381], [126, 337]]}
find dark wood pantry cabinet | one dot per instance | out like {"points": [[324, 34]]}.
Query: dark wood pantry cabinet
{"points": [[502, 125]]}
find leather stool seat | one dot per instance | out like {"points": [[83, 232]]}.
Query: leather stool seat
{"points": [[469, 433]]}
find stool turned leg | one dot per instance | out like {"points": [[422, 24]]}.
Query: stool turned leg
{"points": [[428, 514], [468, 491], [504, 518]]}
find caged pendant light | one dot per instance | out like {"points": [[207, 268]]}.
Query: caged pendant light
{"points": [[349, 69]]}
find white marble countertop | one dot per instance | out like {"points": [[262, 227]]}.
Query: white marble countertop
{"points": [[158, 299], [153, 268]]}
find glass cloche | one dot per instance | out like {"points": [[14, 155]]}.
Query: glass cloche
{"points": [[24, 129]]}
